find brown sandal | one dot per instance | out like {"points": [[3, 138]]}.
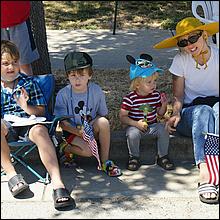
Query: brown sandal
{"points": [[165, 163], [133, 163]]}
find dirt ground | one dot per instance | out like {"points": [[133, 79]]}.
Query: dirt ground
{"points": [[115, 84]]}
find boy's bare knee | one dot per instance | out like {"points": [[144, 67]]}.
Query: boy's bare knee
{"points": [[38, 131], [4, 128], [102, 122]]}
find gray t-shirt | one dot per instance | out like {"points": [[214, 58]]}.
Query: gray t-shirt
{"points": [[70, 103]]}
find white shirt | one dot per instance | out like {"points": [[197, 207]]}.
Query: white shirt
{"points": [[198, 82]]}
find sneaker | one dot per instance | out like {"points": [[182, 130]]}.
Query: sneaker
{"points": [[111, 169]]}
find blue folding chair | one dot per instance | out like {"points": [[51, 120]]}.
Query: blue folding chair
{"points": [[20, 149]]}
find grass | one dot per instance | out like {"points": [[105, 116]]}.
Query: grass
{"points": [[100, 14]]}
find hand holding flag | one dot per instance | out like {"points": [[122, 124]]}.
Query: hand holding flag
{"points": [[88, 136]]}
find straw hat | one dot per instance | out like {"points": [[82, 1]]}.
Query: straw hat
{"points": [[186, 26]]}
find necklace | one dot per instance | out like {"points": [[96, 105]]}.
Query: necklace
{"points": [[72, 106], [204, 60]]}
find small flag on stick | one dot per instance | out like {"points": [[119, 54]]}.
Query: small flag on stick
{"points": [[88, 136], [211, 148]]}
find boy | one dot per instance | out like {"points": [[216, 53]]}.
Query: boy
{"points": [[29, 102], [139, 110], [86, 102]]}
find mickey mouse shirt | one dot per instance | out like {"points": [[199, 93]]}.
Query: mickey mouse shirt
{"points": [[90, 103]]}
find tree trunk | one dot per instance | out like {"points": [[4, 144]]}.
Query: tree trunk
{"points": [[37, 17]]}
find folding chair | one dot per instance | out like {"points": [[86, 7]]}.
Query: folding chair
{"points": [[23, 148], [210, 11]]}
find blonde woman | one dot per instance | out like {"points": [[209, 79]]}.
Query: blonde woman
{"points": [[195, 71]]}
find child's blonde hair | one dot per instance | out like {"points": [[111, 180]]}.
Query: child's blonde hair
{"points": [[136, 82]]}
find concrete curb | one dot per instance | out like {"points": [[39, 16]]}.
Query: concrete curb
{"points": [[181, 148]]}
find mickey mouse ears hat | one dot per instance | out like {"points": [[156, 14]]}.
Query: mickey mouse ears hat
{"points": [[142, 67], [77, 60], [186, 26]]}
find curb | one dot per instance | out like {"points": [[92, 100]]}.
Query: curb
{"points": [[181, 148]]}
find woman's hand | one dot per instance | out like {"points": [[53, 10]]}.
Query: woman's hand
{"points": [[172, 122]]}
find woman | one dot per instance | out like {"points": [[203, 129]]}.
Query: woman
{"points": [[195, 72]]}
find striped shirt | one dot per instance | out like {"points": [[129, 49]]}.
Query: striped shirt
{"points": [[133, 101], [8, 103]]}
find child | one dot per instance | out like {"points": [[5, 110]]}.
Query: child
{"points": [[139, 109], [85, 101], [29, 102]]}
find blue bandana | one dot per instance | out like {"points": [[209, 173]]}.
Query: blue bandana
{"points": [[143, 68]]}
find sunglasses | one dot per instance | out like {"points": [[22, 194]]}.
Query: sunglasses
{"points": [[192, 39], [143, 63]]}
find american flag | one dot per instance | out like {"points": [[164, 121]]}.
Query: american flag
{"points": [[88, 136], [211, 148]]}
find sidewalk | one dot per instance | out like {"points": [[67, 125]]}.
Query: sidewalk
{"points": [[150, 193], [107, 50]]}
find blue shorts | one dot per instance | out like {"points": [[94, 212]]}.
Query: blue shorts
{"points": [[21, 35]]}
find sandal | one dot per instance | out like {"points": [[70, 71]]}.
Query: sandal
{"points": [[14, 181], [62, 198], [208, 188], [133, 163], [65, 158], [165, 163], [111, 169]]}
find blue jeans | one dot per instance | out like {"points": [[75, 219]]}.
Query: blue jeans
{"points": [[194, 121]]}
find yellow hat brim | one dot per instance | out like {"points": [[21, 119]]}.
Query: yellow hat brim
{"points": [[211, 28]]}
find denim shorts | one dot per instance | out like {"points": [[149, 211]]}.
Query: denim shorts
{"points": [[21, 35]]}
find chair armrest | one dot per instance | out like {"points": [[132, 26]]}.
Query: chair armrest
{"points": [[56, 120]]}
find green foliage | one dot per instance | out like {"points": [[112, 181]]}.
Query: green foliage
{"points": [[100, 14]]}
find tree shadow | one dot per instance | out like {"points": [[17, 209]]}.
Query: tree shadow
{"points": [[108, 51]]}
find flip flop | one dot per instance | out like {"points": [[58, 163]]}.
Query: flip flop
{"points": [[208, 188], [58, 195], [14, 181]]}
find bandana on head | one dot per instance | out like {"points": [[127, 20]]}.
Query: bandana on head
{"points": [[142, 67]]}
